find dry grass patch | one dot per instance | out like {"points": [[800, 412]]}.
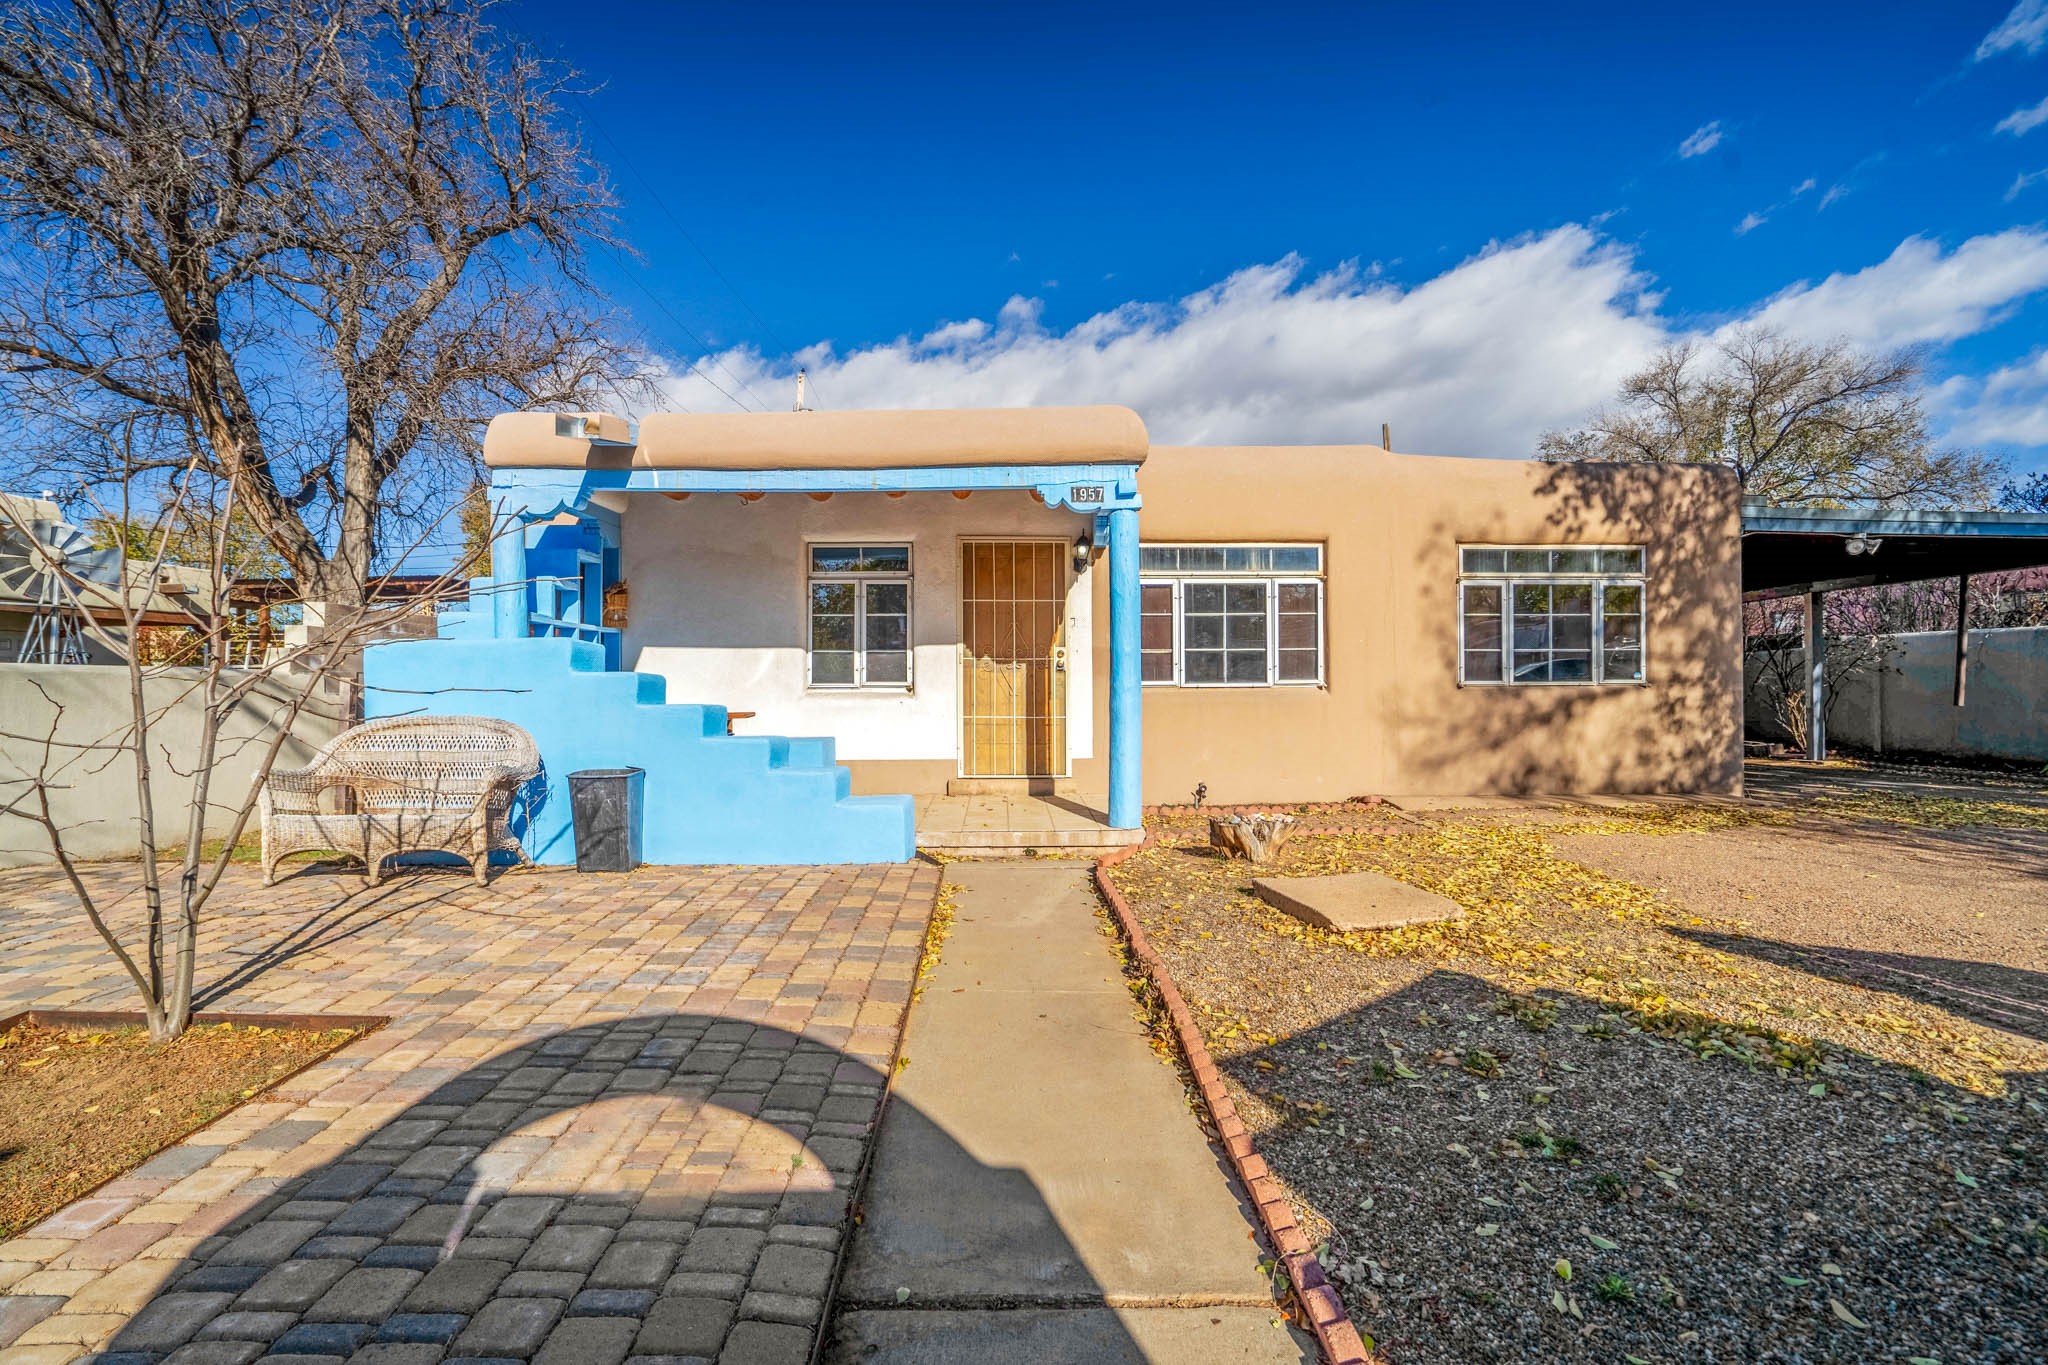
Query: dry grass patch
{"points": [[80, 1106]]}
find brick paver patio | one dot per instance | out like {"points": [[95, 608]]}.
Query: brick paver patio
{"points": [[613, 1117]]}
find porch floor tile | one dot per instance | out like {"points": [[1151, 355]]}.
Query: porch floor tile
{"points": [[1010, 823]]}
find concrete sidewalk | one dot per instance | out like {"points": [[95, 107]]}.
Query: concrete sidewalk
{"points": [[1040, 1191]]}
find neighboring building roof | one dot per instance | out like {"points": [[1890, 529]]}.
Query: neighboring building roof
{"points": [[391, 587], [879, 439], [178, 595], [1804, 549]]}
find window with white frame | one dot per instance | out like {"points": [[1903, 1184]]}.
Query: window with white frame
{"points": [[859, 616], [1231, 615], [1550, 613]]}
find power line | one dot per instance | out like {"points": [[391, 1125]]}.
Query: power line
{"points": [[641, 285], [688, 236]]}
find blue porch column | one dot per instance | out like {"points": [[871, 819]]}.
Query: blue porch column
{"points": [[1126, 703], [508, 581]]}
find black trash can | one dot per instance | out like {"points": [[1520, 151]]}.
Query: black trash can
{"points": [[604, 806]]}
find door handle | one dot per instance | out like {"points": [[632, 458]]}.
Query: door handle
{"points": [[1059, 658]]}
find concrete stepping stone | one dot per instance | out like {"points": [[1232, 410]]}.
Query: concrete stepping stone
{"points": [[1352, 902]]}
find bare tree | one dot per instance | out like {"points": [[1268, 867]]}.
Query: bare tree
{"points": [[1800, 424], [45, 749], [1775, 665], [304, 246], [2027, 494]]}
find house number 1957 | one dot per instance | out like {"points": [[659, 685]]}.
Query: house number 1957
{"points": [[1081, 493]]}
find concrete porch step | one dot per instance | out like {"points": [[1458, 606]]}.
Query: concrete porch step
{"points": [[1017, 840], [1012, 786], [999, 824]]}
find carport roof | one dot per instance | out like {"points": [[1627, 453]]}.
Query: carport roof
{"points": [[1789, 550]]}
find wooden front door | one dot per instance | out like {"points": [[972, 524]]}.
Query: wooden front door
{"points": [[1013, 658]]}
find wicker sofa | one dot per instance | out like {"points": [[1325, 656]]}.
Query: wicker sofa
{"points": [[410, 784]]}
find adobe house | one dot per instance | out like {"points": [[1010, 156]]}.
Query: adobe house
{"points": [[1040, 604]]}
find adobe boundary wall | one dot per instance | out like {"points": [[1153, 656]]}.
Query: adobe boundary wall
{"points": [[92, 790], [1909, 704]]}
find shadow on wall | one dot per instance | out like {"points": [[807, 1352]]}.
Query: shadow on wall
{"points": [[1767, 1184], [1679, 731], [663, 1185]]}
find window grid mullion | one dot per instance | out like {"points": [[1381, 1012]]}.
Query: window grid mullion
{"points": [[860, 633], [1599, 669], [1272, 632], [1179, 637]]}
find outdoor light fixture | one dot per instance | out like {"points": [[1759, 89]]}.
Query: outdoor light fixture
{"points": [[1863, 545], [1082, 549]]}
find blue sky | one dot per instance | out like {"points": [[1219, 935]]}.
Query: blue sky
{"points": [[1294, 222]]}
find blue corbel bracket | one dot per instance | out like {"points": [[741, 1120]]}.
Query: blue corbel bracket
{"points": [[1088, 495], [534, 502]]}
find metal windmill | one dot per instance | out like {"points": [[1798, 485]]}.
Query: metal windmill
{"points": [[46, 562]]}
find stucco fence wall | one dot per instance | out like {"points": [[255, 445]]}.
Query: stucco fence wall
{"points": [[1908, 705], [93, 791]]}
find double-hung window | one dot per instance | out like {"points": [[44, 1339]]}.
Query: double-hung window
{"points": [[1231, 615], [859, 616], [1550, 614]]}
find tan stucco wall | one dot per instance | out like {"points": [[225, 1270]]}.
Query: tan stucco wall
{"points": [[1392, 718]]}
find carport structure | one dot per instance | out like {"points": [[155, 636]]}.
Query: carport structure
{"points": [[1809, 552]]}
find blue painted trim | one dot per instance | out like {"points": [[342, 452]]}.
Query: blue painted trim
{"points": [[1085, 488], [1126, 698]]}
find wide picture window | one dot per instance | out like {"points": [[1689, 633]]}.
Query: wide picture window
{"points": [[1550, 614], [1232, 615], [860, 616]]}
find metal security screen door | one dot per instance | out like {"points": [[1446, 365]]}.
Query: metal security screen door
{"points": [[1013, 658]]}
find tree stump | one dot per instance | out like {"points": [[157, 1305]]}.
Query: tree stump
{"points": [[1255, 838]]}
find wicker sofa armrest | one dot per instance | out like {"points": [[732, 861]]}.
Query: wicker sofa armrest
{"points": [[296, 791]]}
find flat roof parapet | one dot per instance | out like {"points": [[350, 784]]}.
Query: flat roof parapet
{"points": [[862, 439]]}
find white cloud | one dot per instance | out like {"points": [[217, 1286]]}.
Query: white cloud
{"points": [[1918, 294], [1803, 186], [1479, 360], [2009, 406], [1704, 139], [1750, 223], [2020, 122], [2021, 181], [2026, 28], [1834, 192]]}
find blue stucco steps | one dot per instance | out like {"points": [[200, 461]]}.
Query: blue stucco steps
{"points": [[710, 797]]}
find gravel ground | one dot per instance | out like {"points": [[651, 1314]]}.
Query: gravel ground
{"points": [[1595, 1122]]}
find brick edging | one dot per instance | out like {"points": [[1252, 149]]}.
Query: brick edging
{"points": [[1336, 1336], [1284, 808]]}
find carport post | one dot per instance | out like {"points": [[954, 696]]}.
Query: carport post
{"points": [[1816, 678], [1962, 637]]}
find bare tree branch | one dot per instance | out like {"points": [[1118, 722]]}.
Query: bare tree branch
{"points": [[1799, 424]]}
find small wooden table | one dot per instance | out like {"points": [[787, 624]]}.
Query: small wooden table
{"points": [[732, 716]]}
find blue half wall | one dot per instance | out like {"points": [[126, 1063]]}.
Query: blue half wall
{"points": [[711, 797]]}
